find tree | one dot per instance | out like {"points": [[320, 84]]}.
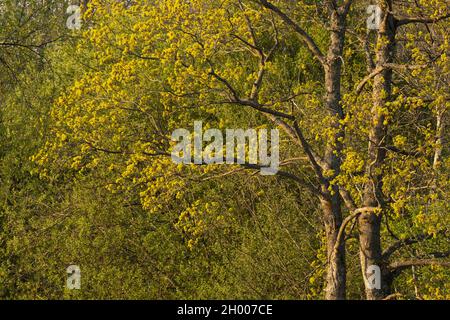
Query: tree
{"points": [[385, 101], [151, 68], [208, 76]]}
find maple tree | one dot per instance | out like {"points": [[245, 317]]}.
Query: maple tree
{"points": [[362, 115]]}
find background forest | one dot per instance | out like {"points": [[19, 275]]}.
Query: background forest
{"points": [[86, 117]]}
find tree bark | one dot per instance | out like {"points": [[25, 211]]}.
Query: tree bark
{"points": [[331, 204], [332, 159], [369, 223], [336, 280]]}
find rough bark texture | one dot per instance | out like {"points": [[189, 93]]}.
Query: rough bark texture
{"points": [[336, 270], [331, 204], [370, 222]]}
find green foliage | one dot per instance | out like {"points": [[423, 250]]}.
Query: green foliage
{"points": [[85, 130]]}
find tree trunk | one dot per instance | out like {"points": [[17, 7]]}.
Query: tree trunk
{"points": [[331, 203], [370, 222], [336, 268], [371, 256]]}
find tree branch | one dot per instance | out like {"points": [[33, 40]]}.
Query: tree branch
{"points": [[405, 242], [285, 174], [382, 68], [313, 158], [312, 46], [341, 234], [249, 103], [402, 265], [408, 20], [348, 199], [346, 7]]}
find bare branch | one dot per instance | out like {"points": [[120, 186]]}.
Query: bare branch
{"points": [[341, 234], [249, 103], [408, 20], [402, 265], [346, 7], [393, 296], [288, 175], [405, 242], [348, 199], [382, 68], [313, 158], [312, 46]]}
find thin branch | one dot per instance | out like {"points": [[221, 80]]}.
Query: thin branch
{"points": [[285, 174], [382, 68], [348, 199], [341, 234], [313, 158], [405, 242], [311, 45], [393, 296], [346, 7], [249, 103], [280, 173], [402, 265], [408, 20]]}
